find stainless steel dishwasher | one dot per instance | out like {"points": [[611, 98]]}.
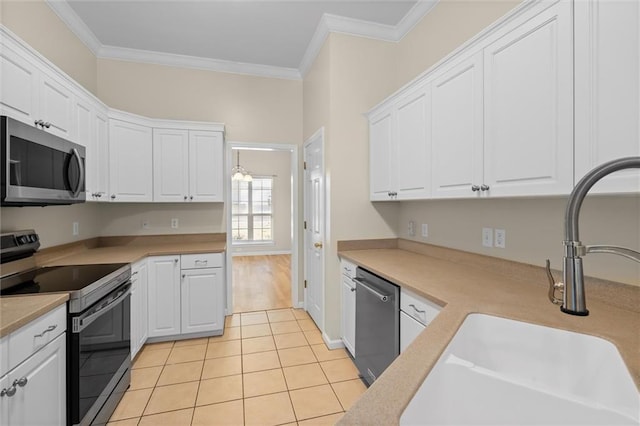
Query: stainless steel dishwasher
{"points": [[377, 324]]}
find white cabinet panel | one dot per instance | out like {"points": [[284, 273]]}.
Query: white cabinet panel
{"points": [[528, 147], [413, 144], [139, 306], [457, 125], [170, 165], [42, 400], [205, 166], [202, 301], [164, 296], [98, 163], [130, 161], [349, 314], [19, 83], [381, 160], [56, 106], [409, 330], [607, 61]]}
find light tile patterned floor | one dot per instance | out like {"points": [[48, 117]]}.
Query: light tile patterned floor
{"points": [[269, 368]]}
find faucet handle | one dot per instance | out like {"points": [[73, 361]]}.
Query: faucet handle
{"points": [[553, 286]]}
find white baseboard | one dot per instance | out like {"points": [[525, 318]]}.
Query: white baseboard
{"points": [[332, 344], [299, 305], [260, 253]]}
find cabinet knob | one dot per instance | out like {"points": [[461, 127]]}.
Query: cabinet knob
{"points": [[484, 187], [47, 124], [37, 123], [113, 196], [352, 289], [22, 381], [475, 188], [185, 198], [8, 392], [191, 197], [183, 276]]}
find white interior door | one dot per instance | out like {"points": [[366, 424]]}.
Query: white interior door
{"points": [[314, 214]]}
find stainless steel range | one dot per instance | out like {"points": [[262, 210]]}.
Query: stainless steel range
{"points": [[98, 329]]}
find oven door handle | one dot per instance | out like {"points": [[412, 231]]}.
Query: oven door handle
{"points": [[83, 321]]}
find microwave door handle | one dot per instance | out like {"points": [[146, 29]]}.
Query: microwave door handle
{"points": [[74, 153], [82, 322]]}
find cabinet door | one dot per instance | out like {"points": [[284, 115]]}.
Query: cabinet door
{"points": [[202, 300], [164, 296], [456, 128], [42, 400], [130, 162], [409, 330], [19, 83], [528, 145], [170, 165], [607, 61], [349, 314], [413, 143], [56, 106], [205, 166], [100, 161], [83, 134], [381, 159]]}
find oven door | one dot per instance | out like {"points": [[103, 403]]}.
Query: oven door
{"points": [[99, 358]]}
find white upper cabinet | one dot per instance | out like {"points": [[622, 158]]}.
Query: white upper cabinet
{"points": [[130, 162], [456, 130], [19, 80], [529, 107], [187, 165], [607, 112], [412, 143], [170, 165], [381, 159], [98, 163], [206, 165], [56, 107]]}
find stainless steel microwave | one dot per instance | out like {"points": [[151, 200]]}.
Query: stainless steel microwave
{"points": [[39, 168]]}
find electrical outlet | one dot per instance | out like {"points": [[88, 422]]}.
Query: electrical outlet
{"points": [[487, 237], [425, 230], [500, 238], [411, 228], [76, 228], [174, 223], [145, 224]]}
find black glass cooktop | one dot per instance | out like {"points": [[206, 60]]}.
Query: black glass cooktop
{"points": [[56, 279]]}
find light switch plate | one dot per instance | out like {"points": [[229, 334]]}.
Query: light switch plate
{"points": [[500, 238], [487, 237]]}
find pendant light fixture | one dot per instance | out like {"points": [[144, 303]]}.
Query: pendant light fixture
{"points": [[239, 173]]}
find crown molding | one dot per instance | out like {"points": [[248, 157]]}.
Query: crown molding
{"points": [[196, 62], [328, 24], [75, 24]]}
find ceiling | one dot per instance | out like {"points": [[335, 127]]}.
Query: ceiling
{"points": [[261, 37]]}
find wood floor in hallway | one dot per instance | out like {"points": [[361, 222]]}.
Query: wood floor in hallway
{"points": [[261, 282]]}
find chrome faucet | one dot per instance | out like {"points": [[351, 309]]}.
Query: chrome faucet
{"points": [[572, 287]]}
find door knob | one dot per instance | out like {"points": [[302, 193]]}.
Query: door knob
{"points": [[317, 245]]}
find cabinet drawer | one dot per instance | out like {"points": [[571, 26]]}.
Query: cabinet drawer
{"points": [[204, 260], [348, 268], [33, 336], [418, 307]]}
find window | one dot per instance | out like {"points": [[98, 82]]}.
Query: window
{"points": [[251, 210]]}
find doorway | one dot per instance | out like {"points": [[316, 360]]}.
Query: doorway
{"points": [[262, 241]]}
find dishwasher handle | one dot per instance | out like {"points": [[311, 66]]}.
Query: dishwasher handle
{"points": [[363, 282]]}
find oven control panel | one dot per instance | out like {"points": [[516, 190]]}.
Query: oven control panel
{"points": [[18, 244]]}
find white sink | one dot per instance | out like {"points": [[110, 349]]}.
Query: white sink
{"points": [[500, 371]]}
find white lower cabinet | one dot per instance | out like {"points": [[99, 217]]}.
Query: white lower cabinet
{"points": [[34, 391], [416, 313], [139, 306], [188, 300], [348, 306]]}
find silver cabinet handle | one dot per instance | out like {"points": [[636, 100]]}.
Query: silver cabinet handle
{"points": [[47, 124], [416, 309], [475, 188], [50, 328], [484, 187], [38, 123], [22, 381], [201, 261], [8, 392]]}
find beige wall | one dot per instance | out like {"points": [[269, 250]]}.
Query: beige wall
{"points": [[252, 108], [54, 224], [278, 165], [40, 27]]}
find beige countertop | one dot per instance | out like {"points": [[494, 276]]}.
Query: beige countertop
{"points": [[17, 311], [463, 289]]}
